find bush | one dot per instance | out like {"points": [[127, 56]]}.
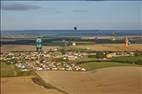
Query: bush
{"points": [[138, 53], [139, 62], [128, 59], [100, 55]]}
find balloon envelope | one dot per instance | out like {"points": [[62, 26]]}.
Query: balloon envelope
{"points": [[75, 28]]}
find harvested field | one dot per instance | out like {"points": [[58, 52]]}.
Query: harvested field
{"points": [[114, 80], [7, 48], [23, 85], [112, 47], [95, 47]]}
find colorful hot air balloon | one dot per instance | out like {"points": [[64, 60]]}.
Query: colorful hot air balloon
{"points": [[38, 44], [126, 41]]}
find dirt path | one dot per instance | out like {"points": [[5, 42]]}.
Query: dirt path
{"points": [[23, 85], [115, 80]]}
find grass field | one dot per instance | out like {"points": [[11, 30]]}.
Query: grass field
{"points": [[91, 63], [129, 59], [10, 70], [7, 70], [97, 65], [85, 60]]}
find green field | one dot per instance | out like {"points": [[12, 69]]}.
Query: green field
{"points": [[85, 60], [97, 65], [129, 59], [7, 70], [10, 70], [91, 64]]}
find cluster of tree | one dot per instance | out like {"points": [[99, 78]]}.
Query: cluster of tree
{"points": [[128, 59]]}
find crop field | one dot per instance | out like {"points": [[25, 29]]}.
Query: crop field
{"points": [[110, 47], [95, 47], [129, 59], [122, 75], [98, 65], [10, 70], [7, 70], [8, 48], [92, 64], [13, 81], [114, 80], [23, 85]]}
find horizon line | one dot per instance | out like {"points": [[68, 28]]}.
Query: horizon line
{"points": [[67, 29]]}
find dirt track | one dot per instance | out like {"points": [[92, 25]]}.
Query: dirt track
{"points": [[115, 80], [23, 85]]}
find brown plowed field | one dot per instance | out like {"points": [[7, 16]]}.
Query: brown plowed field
{"points": [[114, 80], [23, 85], [7, 48], [112, 47], [95, 47]]}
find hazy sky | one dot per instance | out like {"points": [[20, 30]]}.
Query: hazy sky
{"points": [[25, 15]]}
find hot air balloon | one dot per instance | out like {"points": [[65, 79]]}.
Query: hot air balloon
{"points": [[114, 35], [75, 28]]}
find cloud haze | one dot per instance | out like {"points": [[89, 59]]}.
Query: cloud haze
{"points": [[18, 7], [80, 11], [23, 15]]}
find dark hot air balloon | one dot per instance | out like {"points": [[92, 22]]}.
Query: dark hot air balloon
{"points": [[75, 28]]}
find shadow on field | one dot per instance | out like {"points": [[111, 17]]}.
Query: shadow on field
{"points": [[40, 82]]}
